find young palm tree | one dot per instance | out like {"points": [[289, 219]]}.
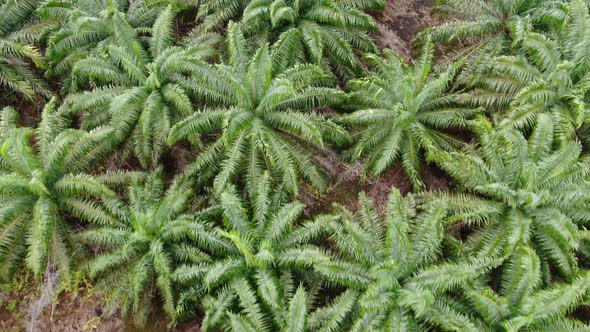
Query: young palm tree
{"points": [[403, 110], [85, 25], [16, 53], [392, 267], [521, 192], [139, 91], [41, 184], [294, 309], [321, 32], [548, 76], [259, 273], [148, 238], [483, 29], [262, 118], [521, 304], [215, 14]]}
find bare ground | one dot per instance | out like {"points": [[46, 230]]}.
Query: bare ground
{"points": [[398, 24], [70, 312]]}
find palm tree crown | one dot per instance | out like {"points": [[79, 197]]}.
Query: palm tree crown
{"points": [[392, 268], [16, 73], [522, 192], [328, 31], [487, 28], [150, 236], [262, 118], [264, 262], [403, 110], [522, 303], [40, 183], [543, 78], [85, 25], [138, 90]]}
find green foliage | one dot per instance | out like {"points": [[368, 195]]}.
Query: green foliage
{"points": [[499, 103], [394, 265], [522, 304], [145, 241], [41, 184], [138, 91], [259, 272], [325, 33], [404, 110], [549, 75], [261, 117], [522, 192], [483, 29], [16, 52], [87, 25]]}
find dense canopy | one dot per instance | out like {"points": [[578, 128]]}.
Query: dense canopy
{"points": [[183, 156]]}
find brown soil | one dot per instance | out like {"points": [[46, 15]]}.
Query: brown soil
{"points": [[349, 182], [400, 22], [29, 111], [71, 312]]}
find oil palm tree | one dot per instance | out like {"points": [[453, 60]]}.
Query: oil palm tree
{"points": [[137, 91], [403, 110], [483, 29], [151, 234], [260, 271], [260, 117], [522, 303], [42, 185], [295, 309], [85, 25], [392, 266], [549, 75], [520, 192], [326, 33], [16, 52]]}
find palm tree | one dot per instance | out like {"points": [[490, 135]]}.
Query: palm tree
{"points": [[403, 110], [549, 75], [521, 304], [520, 192], [140, 249], [483, 29], [259, 272], [16, 53], [392, 266], [262, 118], [326, 33], [41, 185], [138, 91], [294, 310], [215, 14], [85, 25]]}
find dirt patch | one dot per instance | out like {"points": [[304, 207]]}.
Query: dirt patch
{"points": [[76, 310], [29, 111], [72, 310], [348, 181], [435, 179], [399, 23]]}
